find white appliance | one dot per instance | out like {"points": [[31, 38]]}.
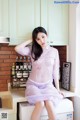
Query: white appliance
{"points": [[64, 111], [77, 107]]}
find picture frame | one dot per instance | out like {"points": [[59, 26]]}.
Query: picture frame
{"points": [[66, 75]]}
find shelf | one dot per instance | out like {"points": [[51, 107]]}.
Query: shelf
{"points": [[67, 93], [18, 95]]}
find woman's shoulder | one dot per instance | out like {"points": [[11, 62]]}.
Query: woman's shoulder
{"points": [[53, 49], [53, 52]]}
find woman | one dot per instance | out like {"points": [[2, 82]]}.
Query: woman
{"points": [[40, 90]]}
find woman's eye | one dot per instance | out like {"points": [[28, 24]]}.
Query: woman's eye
{"points": [[42, 36], [37, 39]]}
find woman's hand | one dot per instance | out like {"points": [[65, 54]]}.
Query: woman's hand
{"points": [[61, 93]]}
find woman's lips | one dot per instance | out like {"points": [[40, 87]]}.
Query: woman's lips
{"points": [[43, 43]]}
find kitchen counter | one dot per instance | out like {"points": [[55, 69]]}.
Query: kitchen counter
{"points": [[14, 96]]}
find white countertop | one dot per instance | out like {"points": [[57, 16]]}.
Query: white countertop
{"points": [[18, 95]]}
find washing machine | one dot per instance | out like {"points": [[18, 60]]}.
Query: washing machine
{"points": [[64, 111]]}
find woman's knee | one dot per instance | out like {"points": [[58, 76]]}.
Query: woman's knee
{"points": [[47, 102], [40, 104]]}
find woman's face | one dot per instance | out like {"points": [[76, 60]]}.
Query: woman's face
{"points": [[41, 39]]}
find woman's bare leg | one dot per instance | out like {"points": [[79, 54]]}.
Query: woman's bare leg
{"points": [[37, 111], [50, 109]]}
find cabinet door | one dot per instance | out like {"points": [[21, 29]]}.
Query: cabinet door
{"points": [[4, 20], [54, 17], [24, 17]]}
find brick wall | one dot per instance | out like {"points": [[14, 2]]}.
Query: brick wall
{"points": [[7, 57]]}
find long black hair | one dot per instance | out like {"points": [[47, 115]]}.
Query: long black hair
{"points": [[36, 48]]}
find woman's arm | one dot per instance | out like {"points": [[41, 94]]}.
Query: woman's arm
{"points": [[22, 49], [56, 74]]}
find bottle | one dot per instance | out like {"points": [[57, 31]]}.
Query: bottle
{"points": [[21, 63], [14, 78], [19, 73], [15, 82], [25, 63], [25, 69], [13, 69], [29, 64], [17, 63], [20, 70]]}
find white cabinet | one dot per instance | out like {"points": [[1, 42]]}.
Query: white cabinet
{"points": [[4, 18], [54, 17], [19, 17], [24, 17]]}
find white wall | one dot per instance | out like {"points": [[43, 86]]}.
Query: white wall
{"points": [[72, 44], [77, 108], [74, 54], [78, 49]]}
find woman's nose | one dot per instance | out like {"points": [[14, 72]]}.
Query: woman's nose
{"points": [[42, 40]]}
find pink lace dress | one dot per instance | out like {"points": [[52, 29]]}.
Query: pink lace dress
{"points": [[39, 86]]}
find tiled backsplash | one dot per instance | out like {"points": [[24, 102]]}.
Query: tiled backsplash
{"points": [[8, 57]]}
